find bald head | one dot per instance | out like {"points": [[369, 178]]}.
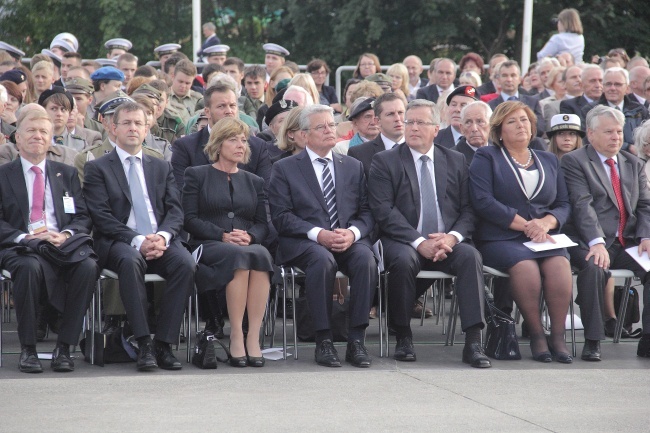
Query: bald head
{"points": [[638, 75]]}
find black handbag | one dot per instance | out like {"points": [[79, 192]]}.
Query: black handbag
{"points": [[632, 312], [500, 337], [205, 354]]}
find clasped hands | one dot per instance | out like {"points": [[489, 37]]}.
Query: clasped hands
{"points": [[153, 246], [237, 237], [337, 240], [56, 239], [437, 246], [537, 230]]}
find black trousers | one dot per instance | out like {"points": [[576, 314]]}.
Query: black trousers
{"points": [[403, 263], [176, 266], [28, 284], [591, 284], [320, 266]]}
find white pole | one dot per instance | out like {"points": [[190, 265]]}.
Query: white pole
{"points": [[527, 36], [196, 28]]}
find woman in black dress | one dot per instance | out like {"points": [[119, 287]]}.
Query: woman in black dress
{"points": [[225, 212]]}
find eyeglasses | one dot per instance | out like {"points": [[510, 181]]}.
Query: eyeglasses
{"points": [[417, 122], [322, 128], [617, 85], [129, 123]]}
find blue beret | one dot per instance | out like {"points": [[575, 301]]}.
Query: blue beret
{"points": [[107, 73]]}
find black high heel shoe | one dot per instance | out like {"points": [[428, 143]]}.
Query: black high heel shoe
{"points": [[541, 356], [236, 361], [561, 357], [253, 361]]}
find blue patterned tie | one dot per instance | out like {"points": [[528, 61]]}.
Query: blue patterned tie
{"points": [[429, 205], [142, 222], [513, 98], [329, 194]]}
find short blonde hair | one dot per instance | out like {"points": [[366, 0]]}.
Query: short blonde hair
{"points": [[32, 111], [291, 123], [43, 65], [400, 69], [224, 129], [504, 110]]}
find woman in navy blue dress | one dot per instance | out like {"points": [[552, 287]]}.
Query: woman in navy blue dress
{"points": [[520, 195]]}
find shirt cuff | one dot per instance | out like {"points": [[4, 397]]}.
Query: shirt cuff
{"points": [[596, 241], [167, 236], [417, 242], [20, 238], [313, 234], [136, 242], [458, 236], [68, 231], [357, 233]]}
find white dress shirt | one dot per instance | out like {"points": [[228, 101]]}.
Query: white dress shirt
{"points": [[318, 169], [388, 143]]}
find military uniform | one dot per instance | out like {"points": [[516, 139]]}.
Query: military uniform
{"points": [[170, 126], [90, 136], [186, 105], [249, 106], [159, 144], [63, 154], [72, 141]]}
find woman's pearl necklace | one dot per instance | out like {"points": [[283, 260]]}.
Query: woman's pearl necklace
{"points": [[530, 157]]}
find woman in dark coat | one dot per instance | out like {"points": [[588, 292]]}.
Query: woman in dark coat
{"points": [[225, 212]]}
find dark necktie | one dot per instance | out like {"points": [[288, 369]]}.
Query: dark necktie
{"points": [[616, 184], [142, 221], [38, 196], [429, 204], [513, 98], [329, 193]]}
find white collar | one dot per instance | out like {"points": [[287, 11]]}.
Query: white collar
{"points": [[123, 154], [313, 156]]}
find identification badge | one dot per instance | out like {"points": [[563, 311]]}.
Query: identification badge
{"points": [[37, 227], [68, 204]]}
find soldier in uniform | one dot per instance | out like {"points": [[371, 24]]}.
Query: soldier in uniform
{"points": [[182, 95], [164, 51], [274, 58], [170, 123], [58, 105], [117, 47], [14, 52], [216, 54], [106, 80]]}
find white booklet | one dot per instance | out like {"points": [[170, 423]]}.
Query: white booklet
{"points": [[642, 259], [561, 241]]}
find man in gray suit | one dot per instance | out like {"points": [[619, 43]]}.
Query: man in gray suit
{"points": [[319, 206], [419, 196], [611, 212]]}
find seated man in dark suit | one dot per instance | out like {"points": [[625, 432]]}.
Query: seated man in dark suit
{"points": [[611, 211], [42, 200], [220, 101], [592, 89], [456, 100], [442, 73], [508, 77], [421, 230], [475, 129], [135, 207], [389, 111], [488, 86], [319, 207]]}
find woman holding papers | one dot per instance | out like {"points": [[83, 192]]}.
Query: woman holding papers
{"points": [[519, 195]]}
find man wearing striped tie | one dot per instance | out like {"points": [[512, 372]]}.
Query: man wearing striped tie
{"points": [[319, 206]]}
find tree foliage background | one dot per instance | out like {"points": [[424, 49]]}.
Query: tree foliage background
{"points": [[335, 30]]}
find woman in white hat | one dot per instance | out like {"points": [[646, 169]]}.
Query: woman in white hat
{"points": [[565, 134]]}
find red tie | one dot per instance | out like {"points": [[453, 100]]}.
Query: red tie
{"points": [[616, 184]]}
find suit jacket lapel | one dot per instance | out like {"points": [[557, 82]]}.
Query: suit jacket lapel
{"points": [[440, 172], [411, 174], [602, 174], [150, 179], [307, 169], [17, 182], [339, 182], [118, 171], [57, 190]]}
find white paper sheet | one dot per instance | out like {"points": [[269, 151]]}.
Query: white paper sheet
{"points": [[273, 353], [561, 241], [643, 260]]}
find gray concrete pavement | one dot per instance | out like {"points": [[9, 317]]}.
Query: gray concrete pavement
{"points": [[437, 393]]}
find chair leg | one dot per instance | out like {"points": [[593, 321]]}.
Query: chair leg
{"points": [[453, 313], [622, 310], [295, 325], [380, 295], [385, 313], [284, 312]]}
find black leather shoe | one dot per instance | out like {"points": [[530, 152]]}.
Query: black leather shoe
{"points": [[591, 350], [357, 355], [255, 361], [473, 355], [404, 350], [111, 323], [165, 358], [61, 361], [215, 327], [326, 354], [29, 362], [643, 349], [561, 357], [146, 358]]}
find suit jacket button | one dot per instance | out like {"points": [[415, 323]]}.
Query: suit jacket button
{"points": [[231, 215], [82, 253]]}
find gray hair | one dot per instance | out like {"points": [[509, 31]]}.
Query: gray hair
{"points": [[486, 109], [620, 70], [223, 79], [417, 103], [589, 67], [294, 88], [209, 26], [307, 112], [594, 115], [545, 61], [642, 137]]}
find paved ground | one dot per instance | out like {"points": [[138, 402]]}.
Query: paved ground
{"points": [[437, 393]]}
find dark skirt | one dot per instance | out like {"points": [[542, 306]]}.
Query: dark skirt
{"points": [[502, 255], [219, 261]]}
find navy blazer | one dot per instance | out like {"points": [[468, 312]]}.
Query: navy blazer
{"points": [[429, 93], [497, 194], [189, 152], [394, 193], [366, 151], [445, 138], [298, 205]]}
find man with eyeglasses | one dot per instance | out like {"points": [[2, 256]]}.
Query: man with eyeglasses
{"points": [[616, 81], [419, 196], [319, 206], [137, 216]]}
